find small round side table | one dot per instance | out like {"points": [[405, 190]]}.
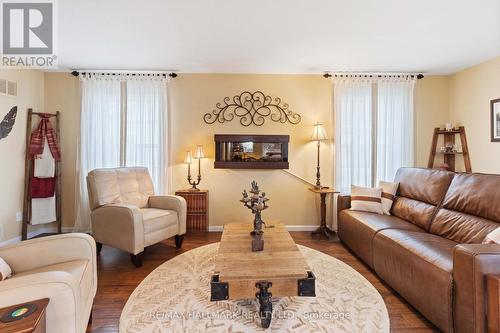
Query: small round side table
{"points": [[323, 230]]}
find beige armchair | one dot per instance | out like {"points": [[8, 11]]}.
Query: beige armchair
{"points": [[61, 268], [127, 215]]}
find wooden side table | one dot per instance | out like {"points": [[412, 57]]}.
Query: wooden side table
{"points": [[30, 322], [197, 209], [323, 230]]}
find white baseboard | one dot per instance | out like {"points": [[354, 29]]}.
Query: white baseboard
{"points": [[32, 234], [218, 228]]}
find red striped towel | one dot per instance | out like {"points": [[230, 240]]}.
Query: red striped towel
{"points": [[37, 138]]}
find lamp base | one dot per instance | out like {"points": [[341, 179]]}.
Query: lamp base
{"points": [[193, 189]]}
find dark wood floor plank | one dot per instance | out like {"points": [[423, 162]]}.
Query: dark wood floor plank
{"points": [[117, 278]]}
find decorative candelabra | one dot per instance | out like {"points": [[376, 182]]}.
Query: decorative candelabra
{"points": [[188, 160], [256, 202]]}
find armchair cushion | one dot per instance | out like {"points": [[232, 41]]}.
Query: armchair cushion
{"points": [[155, 219], [119, 185], [171, 202], [80, 270]]}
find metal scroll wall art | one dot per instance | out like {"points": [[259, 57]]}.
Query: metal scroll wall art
{"points": [[252, 108]]}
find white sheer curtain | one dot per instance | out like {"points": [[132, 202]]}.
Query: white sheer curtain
{"points": [[99, 144], [145, 143], [353, 134], [394, 126], [374, 129], [123, 122]]}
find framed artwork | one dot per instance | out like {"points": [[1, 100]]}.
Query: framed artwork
{"points": [[495, 120]]}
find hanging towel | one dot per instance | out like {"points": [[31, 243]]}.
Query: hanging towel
{"points": [[43, 210], [43, 187], [38, 136], [45, 165]]}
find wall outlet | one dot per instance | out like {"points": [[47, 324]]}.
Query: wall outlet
{"points": [[19, 216]]}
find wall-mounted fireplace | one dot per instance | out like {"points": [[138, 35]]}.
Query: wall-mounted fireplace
{"points": [[251, 151]]}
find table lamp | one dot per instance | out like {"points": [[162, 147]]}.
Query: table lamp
{"points": [[318, 135], [188, 160]]}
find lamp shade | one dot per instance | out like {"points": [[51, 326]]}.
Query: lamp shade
{"points": [[319, 133], [199, 152], [189, 158]]}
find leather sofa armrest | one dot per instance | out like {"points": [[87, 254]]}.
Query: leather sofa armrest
{"points": [[44, 251], [171, 202], [343, 202], [119, 225], [471, 264], [65, 307]]}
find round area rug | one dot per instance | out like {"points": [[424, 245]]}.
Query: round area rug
{"points": [[175, 297]]}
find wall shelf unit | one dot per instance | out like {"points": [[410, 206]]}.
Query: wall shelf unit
{"points": [[251, 151]]}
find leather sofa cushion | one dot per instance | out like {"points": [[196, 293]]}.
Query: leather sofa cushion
{"points": [[469, 210], [357, 230], [419, 192], [460, 227], [419, 267], [417, 212], [427, 185], [157, 219], [80, 270], [119, 185]]}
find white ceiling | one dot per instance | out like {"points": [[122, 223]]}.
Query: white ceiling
{"points": [[278, 36]]}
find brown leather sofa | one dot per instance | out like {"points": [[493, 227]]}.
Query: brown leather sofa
{"points": [[429, 250]]}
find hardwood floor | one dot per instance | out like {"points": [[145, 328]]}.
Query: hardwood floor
{"points": [[117, 278]]}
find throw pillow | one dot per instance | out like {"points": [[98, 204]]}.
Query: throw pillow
{"points": [[5, 270], [493, 237], [366, 199], [388, 195]]}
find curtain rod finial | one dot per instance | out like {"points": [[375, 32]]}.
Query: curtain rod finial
{"points": [[327, 75], [172, 75], [75, 73]]}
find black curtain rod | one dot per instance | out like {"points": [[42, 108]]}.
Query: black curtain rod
{"points": [[172, 75], [327, 75]]}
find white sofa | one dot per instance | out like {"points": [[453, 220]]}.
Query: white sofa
{"points": [[61, 268]]}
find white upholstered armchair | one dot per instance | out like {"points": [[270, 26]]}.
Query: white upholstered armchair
{"points": [[61, 268], [127, 215]]}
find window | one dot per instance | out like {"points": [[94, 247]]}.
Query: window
{"points": [[374, 129], [123, 123]]}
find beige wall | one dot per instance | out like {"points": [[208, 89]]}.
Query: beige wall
{"points": [[431, 110], [12, 149], [309, 95], [192, 95], [62, 93], [470, 93]]}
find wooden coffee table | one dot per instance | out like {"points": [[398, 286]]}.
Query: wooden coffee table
{"points": [[279, 270]]}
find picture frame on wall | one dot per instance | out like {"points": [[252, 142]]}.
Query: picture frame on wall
{"points": [[495, 120]]}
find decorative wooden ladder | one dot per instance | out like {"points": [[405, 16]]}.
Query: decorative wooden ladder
{"points": [[28, 169], [449, 156]]}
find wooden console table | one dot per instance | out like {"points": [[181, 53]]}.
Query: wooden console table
{"points": [[197, 209], [29, 323], [323, 229]]}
